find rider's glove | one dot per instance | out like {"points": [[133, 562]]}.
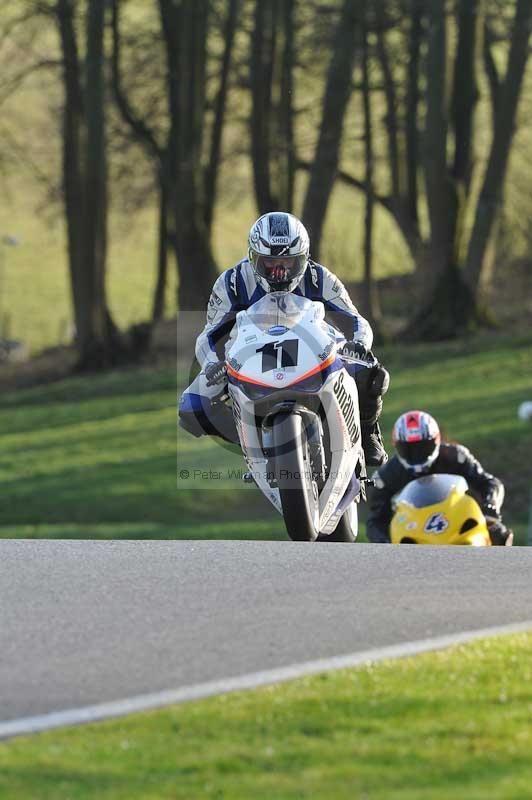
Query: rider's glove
{"points": [[490, 511], [215, 373], [356, 350], [499, 534]]}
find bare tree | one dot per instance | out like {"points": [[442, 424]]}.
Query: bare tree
{"points": [[185, 29], [415, 39], [261, 82], [401, 127], [85, 183], [146, 134], [272, 114], [286, 112], [336, 95], [215, 146], [401, 120], [479, 263], [371, 306], [460, 263]]}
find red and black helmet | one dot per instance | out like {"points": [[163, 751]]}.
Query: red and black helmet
{"points": [[416, 438]]}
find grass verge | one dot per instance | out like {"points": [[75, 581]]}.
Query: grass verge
{"points": [[444, 725], [95, 457]]}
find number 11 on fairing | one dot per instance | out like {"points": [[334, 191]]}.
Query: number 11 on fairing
{"points": [[288, 351]]}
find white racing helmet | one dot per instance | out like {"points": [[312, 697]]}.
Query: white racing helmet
{"points": [[278, 251]]}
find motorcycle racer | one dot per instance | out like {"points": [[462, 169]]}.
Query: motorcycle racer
{"points": [[420, 451], [278, 260]]}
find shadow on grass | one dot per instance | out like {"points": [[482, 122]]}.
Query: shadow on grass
{"points": [[55, 414], [484, 345], [133, 381], [141, 491]]}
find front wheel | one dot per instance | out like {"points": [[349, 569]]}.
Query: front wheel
{"points": [[347, 528], [298, 490]]}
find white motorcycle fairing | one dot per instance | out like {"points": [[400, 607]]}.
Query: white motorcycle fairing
{"points": [[283, 352]]}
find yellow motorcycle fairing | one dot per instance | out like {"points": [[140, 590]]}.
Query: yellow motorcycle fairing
{"points": [[456, 519]]}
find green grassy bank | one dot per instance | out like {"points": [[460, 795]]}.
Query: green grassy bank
{"points": [[453, 724], [95, 457]]}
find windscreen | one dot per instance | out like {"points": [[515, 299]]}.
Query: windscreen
{"points": [[430, 489], [278, 309]]}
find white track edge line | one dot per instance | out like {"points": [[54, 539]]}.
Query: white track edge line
{"points": [[145, 702]]}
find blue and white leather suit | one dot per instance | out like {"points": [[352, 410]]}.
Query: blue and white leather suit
{"points": [[235, 290]]}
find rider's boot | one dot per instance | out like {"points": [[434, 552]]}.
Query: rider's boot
{"points": [[500, 535], [372, 444], [372, 383], [205, 417]]}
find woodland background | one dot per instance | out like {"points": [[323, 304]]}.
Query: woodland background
{"points": [[140, 139]]}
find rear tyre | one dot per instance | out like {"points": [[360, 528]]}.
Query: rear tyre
{"points": [[293, 471]]}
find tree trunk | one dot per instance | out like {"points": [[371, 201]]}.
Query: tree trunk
{"points": [[470, 17], [285, 111], [457, 301], [391, 121], [73, 116], [447, 306], [138, 125], [492, 73], [162, 255], [197, 269], [85, 185], [448, 314], [402, 142], [336, 96], [211, 172], [94, 341], [185, 29], [261, 81], [371, 307], [465, 89], [437, 180], [145, 136], [478, 267], [412, 105]]}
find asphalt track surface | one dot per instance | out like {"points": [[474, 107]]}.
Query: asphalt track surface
{"points": [[87, 622]]}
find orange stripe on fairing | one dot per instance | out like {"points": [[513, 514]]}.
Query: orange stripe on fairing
{"points": [[309, 374], [319, 368], [240, 377]]}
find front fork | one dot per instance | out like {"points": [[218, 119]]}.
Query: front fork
{"points": [[314, 432]]}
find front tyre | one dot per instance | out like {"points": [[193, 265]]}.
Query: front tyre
{"points": [[347, 528], [298, 490]]}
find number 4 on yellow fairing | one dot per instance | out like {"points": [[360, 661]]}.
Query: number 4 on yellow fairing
{"points": [[436, 523], [437, 509]]}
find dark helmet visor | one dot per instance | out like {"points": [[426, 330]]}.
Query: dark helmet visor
{"points": [[416, 453], [280, 269]]}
